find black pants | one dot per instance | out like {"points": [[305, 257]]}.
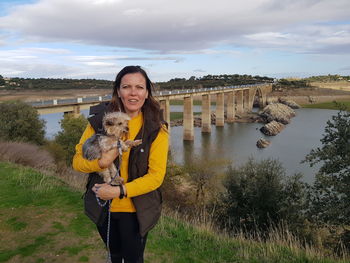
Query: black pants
{"points": [[125, 241]]}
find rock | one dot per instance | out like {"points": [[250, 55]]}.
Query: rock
{"points": [[262, 143], [289, 103], [277, 112], [311, 99], [272, 128], [176, 123]]}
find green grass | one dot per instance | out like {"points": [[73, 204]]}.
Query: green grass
{"points": [[179, 115], [195, 102], [48, 211], [42, 220], [327, 105], [181, 102]]}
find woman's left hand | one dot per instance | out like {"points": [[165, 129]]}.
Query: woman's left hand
{"points": [[106, 191]]}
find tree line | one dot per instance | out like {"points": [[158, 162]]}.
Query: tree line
{"points": [[176, 83]]}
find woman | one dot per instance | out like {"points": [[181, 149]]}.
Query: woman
{"points": [[136, 206]]}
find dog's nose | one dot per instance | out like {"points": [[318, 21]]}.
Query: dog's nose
{"points": [[127, 129]]}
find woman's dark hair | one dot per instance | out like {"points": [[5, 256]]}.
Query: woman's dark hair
{"points": [[151, 107]]}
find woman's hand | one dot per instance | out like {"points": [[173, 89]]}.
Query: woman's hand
{"points": [[107, 158], [106, 191]]}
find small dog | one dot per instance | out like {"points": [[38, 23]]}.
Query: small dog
{"points": [[116, 126]]}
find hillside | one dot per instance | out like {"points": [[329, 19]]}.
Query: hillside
{"points": [[42, 221]]}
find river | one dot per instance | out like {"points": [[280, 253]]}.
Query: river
{"points": [[236, 142]]}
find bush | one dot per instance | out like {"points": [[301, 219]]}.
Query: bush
{"points": [[20, 122], [68, 138], [259, 196]]}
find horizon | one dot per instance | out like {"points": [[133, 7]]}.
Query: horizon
{"points": [[94, 39]]}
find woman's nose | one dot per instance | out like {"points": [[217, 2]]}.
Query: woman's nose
{"points": [[133, 90]]}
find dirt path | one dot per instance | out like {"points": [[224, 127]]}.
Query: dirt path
{"points": [[34, 95]]}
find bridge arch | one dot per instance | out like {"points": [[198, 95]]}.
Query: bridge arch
{"points": [[259, 93]]}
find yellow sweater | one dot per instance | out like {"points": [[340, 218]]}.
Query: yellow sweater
{"points": [[149, 182]]}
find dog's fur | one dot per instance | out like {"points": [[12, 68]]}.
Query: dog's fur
{"points": [[116, 126]]}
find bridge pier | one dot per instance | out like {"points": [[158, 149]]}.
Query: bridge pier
{"points": [[220, 110], [165, 106], [246, 101], [239, 101], [188, 118], [230, 107], [75, 112], [206, 113]]}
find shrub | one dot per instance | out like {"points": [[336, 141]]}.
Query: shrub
{"points": [[20, 122], [259, 196], [68, 138]]}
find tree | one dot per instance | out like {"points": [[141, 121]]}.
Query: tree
{"points": [[330, 195], [2, 81], [259, 195], [204, 177], [20, 122], [72, 129]]}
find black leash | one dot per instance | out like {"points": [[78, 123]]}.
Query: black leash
{"points": [[109, 259]]}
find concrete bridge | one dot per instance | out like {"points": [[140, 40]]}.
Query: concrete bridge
{"points": [[239, 99]]}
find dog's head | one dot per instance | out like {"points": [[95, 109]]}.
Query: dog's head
{"points": [[116, 124]]}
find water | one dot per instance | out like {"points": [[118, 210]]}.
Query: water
{"points": [[236, 142]]}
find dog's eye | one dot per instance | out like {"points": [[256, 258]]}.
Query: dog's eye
{"points": [[109, 123], [120, 123]]}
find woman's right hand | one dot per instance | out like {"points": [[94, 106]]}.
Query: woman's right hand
{"points": [[107, 158]]}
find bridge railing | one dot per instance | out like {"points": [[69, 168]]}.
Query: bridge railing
{"points": [[43, 103]]}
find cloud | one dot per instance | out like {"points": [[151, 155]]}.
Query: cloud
{"points": [[183, 26], [345, 68], [199, 70]]}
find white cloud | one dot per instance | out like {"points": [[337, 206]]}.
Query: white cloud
{"points": [[133, 12], [180, 25]]}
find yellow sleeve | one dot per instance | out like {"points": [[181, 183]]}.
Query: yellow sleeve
{"points": [[157, 162], [81, 164]]}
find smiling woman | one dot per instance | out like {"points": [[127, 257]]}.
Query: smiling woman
{"points": [[136, 205], [133, 93]]}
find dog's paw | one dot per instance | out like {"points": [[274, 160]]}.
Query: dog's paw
{"points": [[137, 142], [117, 181], [131, 143]]}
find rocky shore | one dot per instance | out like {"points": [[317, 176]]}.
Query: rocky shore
{"points": [[275, 116]]}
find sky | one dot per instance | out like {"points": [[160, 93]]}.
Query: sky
{"points": [[178, 38]]}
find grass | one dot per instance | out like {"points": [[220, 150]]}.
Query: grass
{"points": [[327, 105], [179, 115], [195, 102], [181, 102], [42, 221]]}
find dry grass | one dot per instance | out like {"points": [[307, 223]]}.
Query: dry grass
{"points": [[278, 240], [34, 156], [26, 154], [336, 85]]}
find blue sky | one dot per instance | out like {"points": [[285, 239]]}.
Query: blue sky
{"points": [[183, 38]]}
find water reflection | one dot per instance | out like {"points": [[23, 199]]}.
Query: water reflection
{"points": [[237, 142]]}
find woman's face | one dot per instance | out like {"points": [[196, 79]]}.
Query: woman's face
{"points": [[133, 93]]}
